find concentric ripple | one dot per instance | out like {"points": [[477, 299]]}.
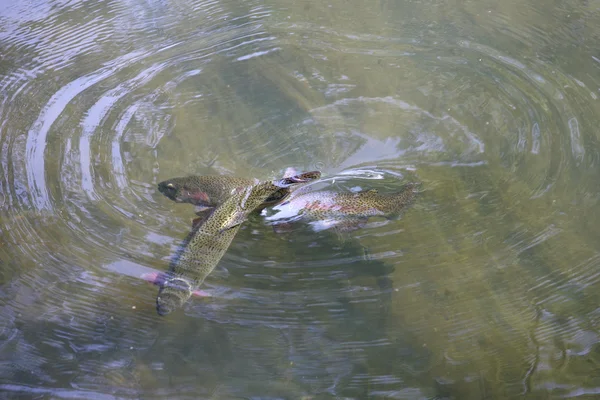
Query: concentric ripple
{"points": [[486, 287]]}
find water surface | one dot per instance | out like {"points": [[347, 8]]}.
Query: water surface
{"points": [[486, 288]]}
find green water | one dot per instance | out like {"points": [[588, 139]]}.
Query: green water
{"points": [[486, 288]]}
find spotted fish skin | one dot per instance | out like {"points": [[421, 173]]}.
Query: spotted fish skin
{"points": [[204, 190], [209, 191], [345, 210], [206, 244]]}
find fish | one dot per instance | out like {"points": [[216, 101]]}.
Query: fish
{"points": [[342, 210], [209, 191], [207, 243], [321, 209]]}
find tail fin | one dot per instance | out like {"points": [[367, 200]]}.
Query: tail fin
{"points": [[404, 198]]}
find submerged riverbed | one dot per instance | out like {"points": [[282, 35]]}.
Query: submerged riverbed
{"points": [[486, 288]]}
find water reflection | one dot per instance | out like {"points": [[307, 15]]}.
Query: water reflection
{"points": [[487, 288]]}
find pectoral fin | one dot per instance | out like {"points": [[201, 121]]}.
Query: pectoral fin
{"points": [[200, 209], [352, 224], [154, 278], [202, 217], [238, 218], [342, 225], [283, 227]]}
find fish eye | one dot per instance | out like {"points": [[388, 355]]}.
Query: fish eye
{"points": [[170, 186]]}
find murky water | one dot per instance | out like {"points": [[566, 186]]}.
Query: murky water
{"points": [[486, 288]]}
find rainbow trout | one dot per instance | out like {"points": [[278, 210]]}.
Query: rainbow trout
{"points": [[323, 209], [209, 191], [206, 244], [345, 211]]}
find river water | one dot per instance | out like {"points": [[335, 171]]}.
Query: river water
{"points": [[486, 288]]}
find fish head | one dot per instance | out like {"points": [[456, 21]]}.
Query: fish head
{"points": [[286, 185], [173, 294], [305, 177], [183, 190]]}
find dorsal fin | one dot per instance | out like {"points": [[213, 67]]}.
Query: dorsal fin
{"points": [[368, 193]]}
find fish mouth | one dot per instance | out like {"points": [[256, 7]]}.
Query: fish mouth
{"points": [[171, 191], [162, 309], [166, 188], [166, 302], [173, 293]]}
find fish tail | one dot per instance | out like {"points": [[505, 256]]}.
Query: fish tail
{"points": [[404, 198]]}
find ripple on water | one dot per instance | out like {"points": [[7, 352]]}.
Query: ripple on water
{"points": [[102, 100]]}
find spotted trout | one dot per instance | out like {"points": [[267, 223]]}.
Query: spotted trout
{"points": [[209, 191], [322, 209], [206, 244], [345, 211]]}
